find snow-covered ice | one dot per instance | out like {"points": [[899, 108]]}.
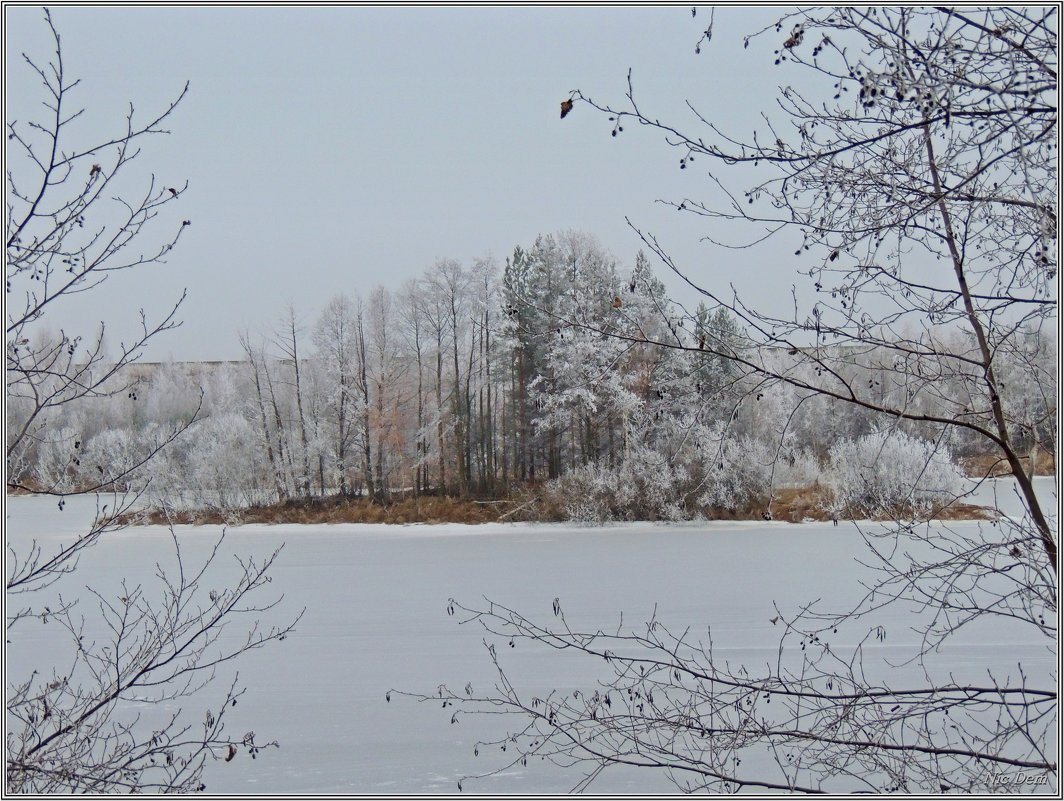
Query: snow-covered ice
{"points": [[376, 598]]}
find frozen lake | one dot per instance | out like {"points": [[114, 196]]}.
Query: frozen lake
{"points": [[375, 619]]}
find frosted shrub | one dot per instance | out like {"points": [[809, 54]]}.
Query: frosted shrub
{"points": [[714, 470], [737, 472], [644, 487], [797, 468], [658, 485], [223, 468], [890, 472], [587, 494], [112, 456], [56, 466]]}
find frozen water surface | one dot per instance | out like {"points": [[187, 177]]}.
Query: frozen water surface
{"points": [[375, 619]]}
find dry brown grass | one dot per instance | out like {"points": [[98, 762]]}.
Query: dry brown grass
{"points": [[795, 504], [993, 466], [339, 509], [807, 503], [792, 505], [963, 511]]}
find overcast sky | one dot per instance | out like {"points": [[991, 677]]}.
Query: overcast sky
{"points": [[330, 149]]}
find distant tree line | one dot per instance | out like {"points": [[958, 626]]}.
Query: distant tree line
{"points": [[473, 381]]}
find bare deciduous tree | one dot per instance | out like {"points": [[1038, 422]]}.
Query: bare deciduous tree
{"points": [[335, 340], [73, 726]]}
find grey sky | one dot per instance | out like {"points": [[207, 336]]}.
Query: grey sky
{"points": [[329, 149]]}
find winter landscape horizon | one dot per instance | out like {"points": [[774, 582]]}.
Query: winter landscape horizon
{"points": [[442, 400]]}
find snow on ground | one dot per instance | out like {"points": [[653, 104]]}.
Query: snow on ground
{"points": [[376, 598]]}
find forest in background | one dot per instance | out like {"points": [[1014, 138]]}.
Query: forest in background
{"points": [[545, 383]]}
